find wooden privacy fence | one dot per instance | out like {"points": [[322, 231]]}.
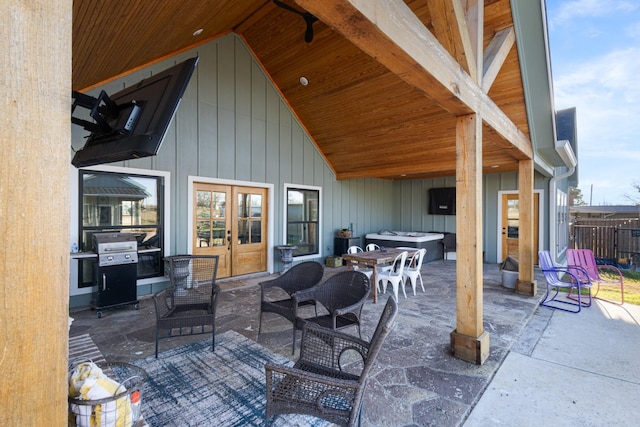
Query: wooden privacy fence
{"points": [[615, 240]]}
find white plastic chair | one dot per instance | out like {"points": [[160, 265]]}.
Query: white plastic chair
{"points": [[394, 275], [412, 270], [354, 250], [372, 247]]}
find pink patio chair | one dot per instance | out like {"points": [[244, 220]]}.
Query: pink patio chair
{"points": [[586, 260]]}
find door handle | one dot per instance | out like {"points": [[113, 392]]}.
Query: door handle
{"points": [[229, 239]]}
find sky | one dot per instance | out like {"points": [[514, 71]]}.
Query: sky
{"points": [[595, 63]]}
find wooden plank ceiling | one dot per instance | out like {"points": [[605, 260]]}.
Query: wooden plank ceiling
{"points": [[365, 120]]}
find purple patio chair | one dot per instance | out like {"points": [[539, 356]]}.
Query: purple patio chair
{"points": [[555, 283]]}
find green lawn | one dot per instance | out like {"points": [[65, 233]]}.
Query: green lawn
{"points": [[612, 291], [631, 287]]}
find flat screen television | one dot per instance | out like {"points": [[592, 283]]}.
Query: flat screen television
{"points": [[132, 123], [442, 201]]}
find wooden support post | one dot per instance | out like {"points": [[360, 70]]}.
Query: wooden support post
{"points": [[34, 211], [526, 284], [469, 341]]}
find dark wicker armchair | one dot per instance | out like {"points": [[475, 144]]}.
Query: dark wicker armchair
{"points": [[322, 382], [188, 306], [300, 276], [342, 295]]}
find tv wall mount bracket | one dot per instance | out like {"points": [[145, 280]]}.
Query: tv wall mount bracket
{"points": [[103, 109]]}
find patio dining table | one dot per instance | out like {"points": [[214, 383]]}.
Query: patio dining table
{"points": [[375, 258]]}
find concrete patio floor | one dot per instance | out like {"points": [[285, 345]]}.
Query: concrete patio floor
{"points": [[568, 370], [416, 381]]}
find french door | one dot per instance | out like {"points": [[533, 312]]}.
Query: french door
{"points": [[230, 221]]}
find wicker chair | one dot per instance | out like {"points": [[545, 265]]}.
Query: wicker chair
{"points": [[323, 382], [188, 306], [300, 276], [342, 295]]}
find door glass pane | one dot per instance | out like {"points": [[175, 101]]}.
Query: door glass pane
{"points": [[256, 206], [243, 205], [217, 238], [218, 205], [203, 218], [203, 229], [203, 207], [256, 231], [513, 219], [243, 231]]}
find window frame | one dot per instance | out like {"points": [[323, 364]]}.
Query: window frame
{"points": [[163, 225], [289, 187]]}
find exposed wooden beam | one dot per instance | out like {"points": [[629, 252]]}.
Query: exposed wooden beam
{"points": [[496, 54], [450, 28], [388, 31], [470, 19]]}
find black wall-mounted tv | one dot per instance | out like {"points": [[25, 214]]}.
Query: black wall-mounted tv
{"points": [[442, 201], [132, 123]]}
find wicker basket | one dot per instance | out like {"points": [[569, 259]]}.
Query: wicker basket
{"points": [[123, 406], [344, 233]]}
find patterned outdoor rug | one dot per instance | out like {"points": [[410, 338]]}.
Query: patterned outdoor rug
{"points": [[193, 386]]}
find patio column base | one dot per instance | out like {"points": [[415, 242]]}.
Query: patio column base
{"points": [[525, 287], [470, 349]]}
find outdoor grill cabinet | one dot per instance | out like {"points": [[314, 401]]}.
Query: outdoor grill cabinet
{"points": [[115, 270], [116, 286], [341, 244]]}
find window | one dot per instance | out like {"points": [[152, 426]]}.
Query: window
{"points": [[119, 202], [303, 219], [562, 221]]}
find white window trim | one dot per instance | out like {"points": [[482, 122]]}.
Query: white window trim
{"points": [[73, 222], [287, 186]]}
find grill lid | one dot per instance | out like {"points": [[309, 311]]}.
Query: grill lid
{"points": [[114, 243]]}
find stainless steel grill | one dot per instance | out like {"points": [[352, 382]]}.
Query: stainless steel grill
{"points": [[115, 269], [115, 248]]}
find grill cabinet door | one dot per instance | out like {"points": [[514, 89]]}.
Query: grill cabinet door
{"points": [[116, 285]]}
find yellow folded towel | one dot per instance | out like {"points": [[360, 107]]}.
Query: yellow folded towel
{"points": [[88, 382]]}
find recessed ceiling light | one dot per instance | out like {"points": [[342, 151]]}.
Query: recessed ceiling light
{"points": [[403, 174], [304, 81], [197, 32], [495, 166]]}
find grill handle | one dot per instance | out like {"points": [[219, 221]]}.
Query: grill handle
{"points": [[118, 248], [104, 282]]}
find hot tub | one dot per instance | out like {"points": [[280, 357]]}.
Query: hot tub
{"points": [[432, 242]]}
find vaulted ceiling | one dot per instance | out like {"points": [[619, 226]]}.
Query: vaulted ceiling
{"points": [[366, 120]]}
